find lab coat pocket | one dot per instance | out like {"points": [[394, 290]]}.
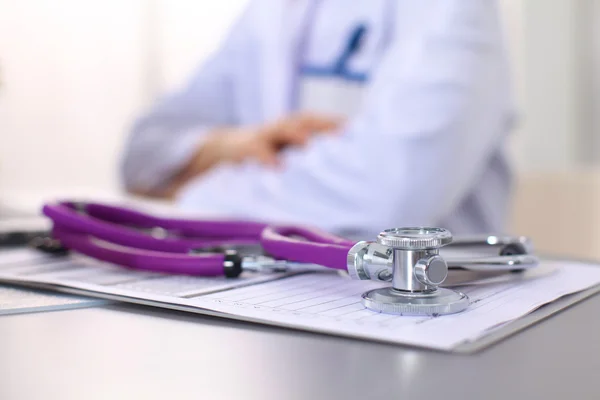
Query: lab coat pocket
{"points": [[330, 94]]}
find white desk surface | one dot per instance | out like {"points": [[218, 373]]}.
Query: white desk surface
{"points": [[131, 352]]}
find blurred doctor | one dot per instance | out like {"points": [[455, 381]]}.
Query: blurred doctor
{"points": [[353, 116]]}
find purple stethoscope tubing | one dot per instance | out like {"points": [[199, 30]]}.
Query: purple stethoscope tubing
{"points": [[114, 234]]}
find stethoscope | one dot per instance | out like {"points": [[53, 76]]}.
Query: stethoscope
{"points": [[408, 258]]}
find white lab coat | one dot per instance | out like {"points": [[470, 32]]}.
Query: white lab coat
{"points": [[425, 147]]}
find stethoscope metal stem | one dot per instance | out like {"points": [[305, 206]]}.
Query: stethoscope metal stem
{"points": [[412, 270], [508, 263]]}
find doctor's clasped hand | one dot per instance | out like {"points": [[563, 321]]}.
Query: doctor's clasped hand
{"points": [[261, 144]]}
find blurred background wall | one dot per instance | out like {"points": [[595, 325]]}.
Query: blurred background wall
{"points": [[74, 74]]}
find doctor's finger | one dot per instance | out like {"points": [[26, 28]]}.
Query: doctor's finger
{"points": [[293, 134], [286, 134], [318, 122], [265, 153]]}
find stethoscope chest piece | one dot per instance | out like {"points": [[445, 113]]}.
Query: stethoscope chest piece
{"points": [[417, 272]]}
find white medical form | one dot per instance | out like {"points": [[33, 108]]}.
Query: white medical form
{"points": [[18, 300], [14, 300], [325, 302]]}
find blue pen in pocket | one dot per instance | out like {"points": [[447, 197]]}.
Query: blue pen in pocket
{"points": [[353, 46]]}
